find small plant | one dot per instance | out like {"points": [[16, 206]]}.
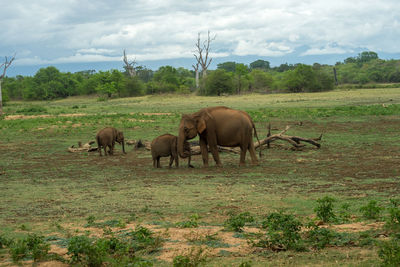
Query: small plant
{"points": [[33, 247], [196, 256], [5, 242], [389, 252], [90, 221], [245, 264], [192, 223], [394, 213], [371, 210], [283, 232], [237, 222], [319, 238], [324, 209], [32, 109], [344, 213]]}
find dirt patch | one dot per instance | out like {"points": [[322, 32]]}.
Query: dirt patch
{"points": [[356, 227], [24, 117]]}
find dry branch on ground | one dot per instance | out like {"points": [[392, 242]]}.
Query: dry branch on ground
{"points": [[295, 141]]}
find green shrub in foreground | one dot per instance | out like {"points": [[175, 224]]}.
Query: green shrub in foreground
{"points": [[283, 233], [324, 209], [238, 221], [389, 252], [371, 210], [33, 247]]}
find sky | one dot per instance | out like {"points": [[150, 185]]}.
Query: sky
{"points": [[80, 35]]}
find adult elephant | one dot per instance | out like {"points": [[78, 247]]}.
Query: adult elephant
{"points": [[218, 126]]}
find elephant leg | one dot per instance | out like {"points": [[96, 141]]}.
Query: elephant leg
{"points": [[176, 161], [171, 160], [252, 152], [158, 162], [215, 153], [154, 162], [243, 150], [99, 148], [105, 150], [204, 151]]}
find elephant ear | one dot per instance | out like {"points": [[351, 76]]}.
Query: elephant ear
{"points": [[201, 125]]}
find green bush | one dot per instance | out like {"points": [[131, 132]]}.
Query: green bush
{"points": [[283, 232], [218, 82], [371, 210], [32, 110], [394, 213], [192, 223], [389, 252], [33, 247], [324, 209], [238, 221], [320, 237]]}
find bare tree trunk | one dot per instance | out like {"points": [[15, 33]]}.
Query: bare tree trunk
{"points": [[129, 66], [1, 101], [4, 65]]}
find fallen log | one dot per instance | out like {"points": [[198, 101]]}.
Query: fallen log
{"points": [[293, 140], [87, 147]]}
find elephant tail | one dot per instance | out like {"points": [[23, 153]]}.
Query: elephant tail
{"points": [[255, 133]]}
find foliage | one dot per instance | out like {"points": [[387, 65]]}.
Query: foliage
{"points": [[260, 64], [260, 80], [192, 223], [324, 209], [218, 82], [236, 222], [283, 232], [33, 246], [319, 238], [394, 214], [371, 210], [389, 252], [196, 256], [98, 251]]}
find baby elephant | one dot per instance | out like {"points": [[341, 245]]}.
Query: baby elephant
{"points": [[107, 138], [166, 145]]}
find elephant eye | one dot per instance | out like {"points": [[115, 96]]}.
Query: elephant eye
{"points": [[185, 128]]}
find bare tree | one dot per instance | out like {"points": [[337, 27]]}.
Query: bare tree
{"points": [[129, 66], [202, 53], [4, 65], [196, 69]]}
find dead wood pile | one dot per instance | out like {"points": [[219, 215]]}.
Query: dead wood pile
{"points": [[295, 141]]}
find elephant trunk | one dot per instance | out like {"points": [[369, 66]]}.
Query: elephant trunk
{"points": [[123, 146], [181, 144]]}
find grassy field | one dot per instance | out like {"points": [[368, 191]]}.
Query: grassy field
{"points": [[46, 190]]}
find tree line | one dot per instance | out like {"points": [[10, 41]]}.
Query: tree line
{"points": [[229, 78]]}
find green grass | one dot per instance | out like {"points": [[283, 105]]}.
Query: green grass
{"points": [[41, 183]]}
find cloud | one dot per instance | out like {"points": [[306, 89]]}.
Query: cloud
{"points": [[166, 29]]}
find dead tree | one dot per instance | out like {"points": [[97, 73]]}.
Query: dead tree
{"points": [[4, 65], [202, 53], [129, 66], [196, 69]]}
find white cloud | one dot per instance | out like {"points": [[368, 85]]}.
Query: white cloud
{"points": [[75, 31]]}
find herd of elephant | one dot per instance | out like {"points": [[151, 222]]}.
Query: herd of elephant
{"points": [[215, 126]]}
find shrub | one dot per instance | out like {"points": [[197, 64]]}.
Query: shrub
{"points": [[192, 223], [194, 257], [371, 210], [32, 110], [33, 247], [320, 237], [218, 82], [283, 232], [394, 213], [389, 252], [237, 222], [324, 209]]}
